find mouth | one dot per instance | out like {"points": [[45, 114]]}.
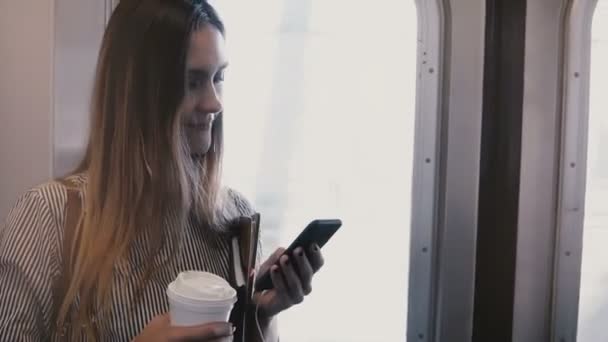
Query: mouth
{"points": [[202, 124]]}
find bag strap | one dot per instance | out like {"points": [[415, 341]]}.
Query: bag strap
{"points": [[73, 213], [244, 249]]}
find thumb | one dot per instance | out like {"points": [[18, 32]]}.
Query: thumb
{"points": [[273, 259], [276, 255], [161, 319]]}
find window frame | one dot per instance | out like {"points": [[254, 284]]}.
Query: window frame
{"points": [[446, 180], [539, 174], [573, 169], [425, 175]]}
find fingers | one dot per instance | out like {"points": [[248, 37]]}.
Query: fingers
{"points": [[294, 286], [161, 320], [305, 270], [276, 255], [291, 277], [316, 258], [211, 331], [279, 283], [273, 259]]}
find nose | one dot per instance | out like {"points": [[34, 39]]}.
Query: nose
{"points": [[209, 101]]}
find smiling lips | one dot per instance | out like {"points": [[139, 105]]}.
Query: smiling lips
{"points": [[202, 124]]}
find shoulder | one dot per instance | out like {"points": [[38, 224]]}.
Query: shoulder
{"points": [[231, 206], [30, 253], [242, 205], [42, 201], [53, 194], [32, 232], [40, 209]]}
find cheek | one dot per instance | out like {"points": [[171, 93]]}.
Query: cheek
{"points": [[219, 90], [187, 106]]}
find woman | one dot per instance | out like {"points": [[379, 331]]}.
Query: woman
{"points": [[153, 205]]}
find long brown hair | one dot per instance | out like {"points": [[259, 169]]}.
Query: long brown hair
{"points": [[138, 166]]}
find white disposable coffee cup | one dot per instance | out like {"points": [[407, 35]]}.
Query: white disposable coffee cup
{"points": [[197, 297]]}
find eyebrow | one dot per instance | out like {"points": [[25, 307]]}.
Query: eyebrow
{"points": [[204, 71]]}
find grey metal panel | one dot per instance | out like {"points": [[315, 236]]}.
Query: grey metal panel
{"points": [[461, 152], [539, 175], [430, 69], [573, 170]]}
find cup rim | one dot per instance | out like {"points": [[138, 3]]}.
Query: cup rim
{"points": [[210, 302], [200, 306]]}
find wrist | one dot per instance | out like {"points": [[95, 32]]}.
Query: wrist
{"points": [[260, 323], [259, 315]]}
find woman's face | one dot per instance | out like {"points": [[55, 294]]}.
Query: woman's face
{"points": [[205, 64]]}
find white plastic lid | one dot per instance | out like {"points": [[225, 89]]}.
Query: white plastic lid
{"points": [[197, 287]]}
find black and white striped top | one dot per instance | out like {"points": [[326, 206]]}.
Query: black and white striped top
{"points": [[30, 261]]}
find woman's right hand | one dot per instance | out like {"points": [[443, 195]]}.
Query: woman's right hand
{"points": [[160, 330]]}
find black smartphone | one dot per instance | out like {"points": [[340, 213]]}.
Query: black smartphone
{"points": [[317, 231]]}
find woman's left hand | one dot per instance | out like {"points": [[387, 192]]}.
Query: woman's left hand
{"points": [[290, 286]]}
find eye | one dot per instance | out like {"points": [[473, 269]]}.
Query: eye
{"points": [[195, 83], [219, 77]]}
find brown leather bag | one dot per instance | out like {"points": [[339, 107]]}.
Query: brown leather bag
{"points": [[244, 250], [243, 253]]}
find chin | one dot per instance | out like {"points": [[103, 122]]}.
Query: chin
{"points": [[199, 151], [199, 145]]}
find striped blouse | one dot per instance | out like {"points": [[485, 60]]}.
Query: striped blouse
{"points": [[30, 260]]}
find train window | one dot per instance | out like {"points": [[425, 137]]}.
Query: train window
{"points": [[593, 310], [320, 117]]}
